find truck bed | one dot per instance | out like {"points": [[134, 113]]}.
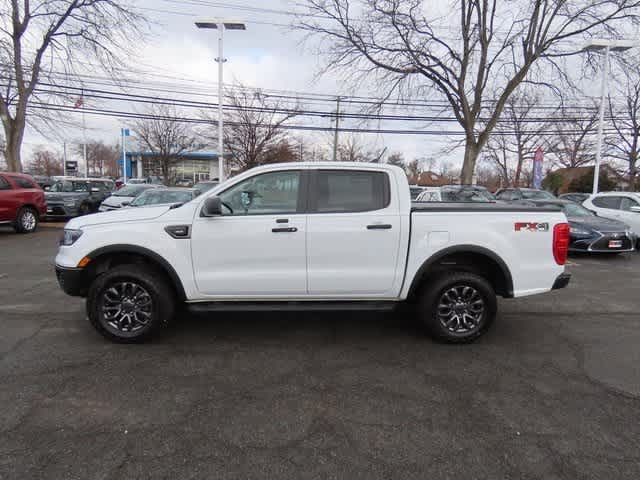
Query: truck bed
{"points": [[478, 206]]}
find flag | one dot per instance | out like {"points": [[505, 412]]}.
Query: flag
{"points": [[537, 168], [79, 102]]}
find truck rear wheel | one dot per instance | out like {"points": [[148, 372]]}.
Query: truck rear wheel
{"points": [[130, 303], [458, 307]]}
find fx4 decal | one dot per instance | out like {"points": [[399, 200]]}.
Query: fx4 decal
{"points": [[531, 227]]}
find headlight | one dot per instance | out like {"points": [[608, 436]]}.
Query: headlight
{"points": [[579, 231], [69, 237], [70, 203]]}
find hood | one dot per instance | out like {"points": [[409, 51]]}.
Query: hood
{"points": [[116, 201], [117, 216], [598, 223], [53, 196]]}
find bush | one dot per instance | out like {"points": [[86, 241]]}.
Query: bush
{"points": [[584, 184], [552, 182]]}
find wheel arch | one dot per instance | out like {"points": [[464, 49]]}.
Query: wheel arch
{"points": [[111, 255], [472, 258]]}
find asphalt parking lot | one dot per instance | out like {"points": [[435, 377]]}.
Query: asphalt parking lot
{"points": [[551, 392]]}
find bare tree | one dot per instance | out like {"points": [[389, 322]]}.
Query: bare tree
{"points": [[102, 158], [254, 124], [572, 143], [397, 159], [40, 37], [45, 162], [624, 143], [467, 50], [516, 137], [166, 137]]}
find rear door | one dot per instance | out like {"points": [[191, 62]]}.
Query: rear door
{"points": [[353, 234], [628, 216], [7, 201]]}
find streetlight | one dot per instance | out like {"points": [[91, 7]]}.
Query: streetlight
{"points": [[220, 25], [608, 46]]}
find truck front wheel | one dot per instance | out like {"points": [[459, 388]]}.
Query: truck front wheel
{"points": [[458, 307], [130, 303]]}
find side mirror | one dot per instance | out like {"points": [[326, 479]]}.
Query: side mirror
{"points": [[46, 188], [635, 208], [212, 207], [125, 204]]}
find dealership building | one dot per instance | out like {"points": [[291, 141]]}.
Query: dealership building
{"points": [[191, 166]]}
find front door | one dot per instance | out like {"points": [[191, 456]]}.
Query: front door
{"points": [[353, 234], [257, 249]]}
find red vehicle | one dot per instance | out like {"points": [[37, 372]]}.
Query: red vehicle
{"points": [[22, 201]]}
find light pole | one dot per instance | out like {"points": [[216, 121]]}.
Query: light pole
{"points": [[608, 46], [220, 25]]}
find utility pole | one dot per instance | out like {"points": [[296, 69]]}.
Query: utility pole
{"points": [[64, 159], [335, 134]]}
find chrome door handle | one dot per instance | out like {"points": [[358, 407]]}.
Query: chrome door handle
{"points": [[284, 230], [379, 226]]}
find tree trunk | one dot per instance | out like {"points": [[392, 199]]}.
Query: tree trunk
{"points": [[516, 180], [471, 152], [632, 171], [14, 132]]}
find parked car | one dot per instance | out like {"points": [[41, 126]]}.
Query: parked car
{"points": [[466, 193], [456, 194], [591, 233], [516, 194], [22, 202], [206, 185], [43, 181], [164, 196], [304, 235], [125, 195], [574, 197], [623, 206], [414, 191], [429, 194], [70, 197]]}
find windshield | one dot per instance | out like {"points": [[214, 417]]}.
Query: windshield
{"points": [[68, 186], [537, 195], [131, 190], [465, 195], [575, 210], [160, 196]]}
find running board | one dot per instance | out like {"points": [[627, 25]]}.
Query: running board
{"points": [[204, 307]]}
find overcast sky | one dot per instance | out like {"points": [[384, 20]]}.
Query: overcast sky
{"points": [[267, 55], [178, 62]]}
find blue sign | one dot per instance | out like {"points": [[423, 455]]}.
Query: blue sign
{"points": [[124, 132]]}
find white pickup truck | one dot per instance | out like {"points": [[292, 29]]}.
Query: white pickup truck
{"points": [[311, 235]]}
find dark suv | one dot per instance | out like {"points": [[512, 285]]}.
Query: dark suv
{"points": [[520, 194], [70, 197]]}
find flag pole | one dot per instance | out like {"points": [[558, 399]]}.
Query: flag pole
{"points": [[124, 157]]}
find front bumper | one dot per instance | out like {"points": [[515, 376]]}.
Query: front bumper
{"points": [[561, 281], [61, 210], [72, 281], [602, 243]]}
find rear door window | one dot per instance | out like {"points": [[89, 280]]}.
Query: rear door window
{"points": [[612, 203], [342, 191], [626, 203], [23, 182], [4, 184]]}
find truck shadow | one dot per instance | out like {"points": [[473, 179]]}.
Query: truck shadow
{"points": [[306, 326]]}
